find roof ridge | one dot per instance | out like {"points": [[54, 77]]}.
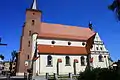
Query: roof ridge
{"points": [[65, 25]]}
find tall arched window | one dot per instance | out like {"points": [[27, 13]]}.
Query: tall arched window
{"points": [[33, 22], [82, 59], [67, 58], [100, 57], [49, 60]]}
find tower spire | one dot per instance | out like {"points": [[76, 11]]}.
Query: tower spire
{"points": [[34, 5]]}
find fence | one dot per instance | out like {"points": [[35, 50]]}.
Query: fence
{"points": [[69, 76]]}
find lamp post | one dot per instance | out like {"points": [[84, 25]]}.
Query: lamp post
{"points": [[115, 66]]}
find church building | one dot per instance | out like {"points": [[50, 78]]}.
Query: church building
{"points": [[56, 48]]}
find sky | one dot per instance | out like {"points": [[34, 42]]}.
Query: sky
{"points": [[68, 12]]}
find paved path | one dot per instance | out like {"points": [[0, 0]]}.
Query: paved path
{"points": [[39, 78], [12, 78]]}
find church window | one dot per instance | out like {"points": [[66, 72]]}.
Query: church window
{"points": [[33, 13], [29, 33], [53, 42], [67, 58], [92, 46], [104, 56], [83, 44], [33, 22], [28, 43], [97, 48], [28, 57], [101, 48], [49, 60], [100, 58], [82, 61], [69, 43]]}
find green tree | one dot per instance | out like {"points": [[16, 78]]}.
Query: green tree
{"points": [[99, 74], [115, 7], [2, 57], [14, 55]]}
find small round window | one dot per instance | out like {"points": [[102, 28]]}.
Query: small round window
{"points": [[104, 56], [33, 13], [53, 42], [83, 43], [69, 43]]}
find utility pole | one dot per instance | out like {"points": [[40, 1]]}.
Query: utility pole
{"points": [[1, 44]]}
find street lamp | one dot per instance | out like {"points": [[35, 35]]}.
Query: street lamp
{"points": [[115, 66]]}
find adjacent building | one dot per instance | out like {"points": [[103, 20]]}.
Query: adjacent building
{"points": [[1, 66], [6, 67], [56, 48]]}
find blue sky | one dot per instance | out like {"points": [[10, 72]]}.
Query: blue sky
{"points": [[69, 12]]}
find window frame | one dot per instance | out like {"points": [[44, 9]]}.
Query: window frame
{"points": [[28, 43], [33, 22], [67, 61], [101, 48], [30, 33], [82, 59], [97, 48], [100, 58], [49, 61]]}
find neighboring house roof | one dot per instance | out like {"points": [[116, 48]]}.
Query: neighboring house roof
{"points": [[43, 49], [59, 31]]}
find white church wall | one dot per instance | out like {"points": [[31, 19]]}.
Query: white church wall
{"points": [[63, 69], [60, 42], [96, 63]]}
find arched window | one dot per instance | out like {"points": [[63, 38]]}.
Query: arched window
{"points": [[82, 61], [100, 57], [49, 60], [28, 57], [33, 22], [29, 33], [28, 43], [67, 58]]}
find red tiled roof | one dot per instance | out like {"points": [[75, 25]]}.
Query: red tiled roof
{"points": [[61, 49], [48, 30]]}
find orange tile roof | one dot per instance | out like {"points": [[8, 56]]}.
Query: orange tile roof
{"points": [[61, 49], [48, 30]]}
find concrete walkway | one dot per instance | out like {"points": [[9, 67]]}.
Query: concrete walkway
{"points": [[39, 78]]}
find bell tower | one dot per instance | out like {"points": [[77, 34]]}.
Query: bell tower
{"points": [[31, 25], [33, 17]]}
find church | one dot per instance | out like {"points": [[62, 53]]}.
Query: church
{"points": [[56, 48]]}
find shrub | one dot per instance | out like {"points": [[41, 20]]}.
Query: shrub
{"points": [[99, 74]]}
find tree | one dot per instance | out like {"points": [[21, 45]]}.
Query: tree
{"points": [[99, 74], [115, 7], [14, 55], [2, 57], [14, 58]]}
